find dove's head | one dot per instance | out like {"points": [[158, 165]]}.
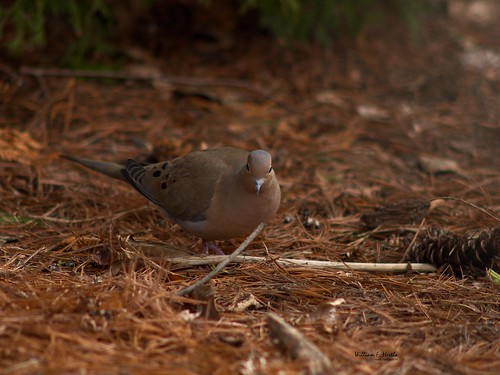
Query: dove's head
{"points": [[260, 169]]}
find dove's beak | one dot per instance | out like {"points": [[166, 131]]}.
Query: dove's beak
{"points": [[258, 184]]}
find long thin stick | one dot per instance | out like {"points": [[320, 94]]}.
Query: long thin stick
{"points": [[369, 267], [173, 80], [482, 209], [222, 264]]}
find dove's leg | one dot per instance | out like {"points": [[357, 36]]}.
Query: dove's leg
{"points": [[210, 245]]}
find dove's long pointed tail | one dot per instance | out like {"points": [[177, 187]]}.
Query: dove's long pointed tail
{"points": [[109, 169]]}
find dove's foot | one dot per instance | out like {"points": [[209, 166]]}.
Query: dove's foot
{"points": [[210, 245]]}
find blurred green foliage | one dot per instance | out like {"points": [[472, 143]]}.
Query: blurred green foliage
{"points": [[318, 20], [27, 22]]}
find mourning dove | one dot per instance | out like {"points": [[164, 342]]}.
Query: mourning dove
{"points": [[215, 194]]}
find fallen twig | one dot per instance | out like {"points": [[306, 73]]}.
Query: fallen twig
{"points": [[482, 209], [292, 342], [173, 80], [369, 267], [222, 264]]}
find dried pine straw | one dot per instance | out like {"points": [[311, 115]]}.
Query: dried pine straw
{"points": [[78, 295]]}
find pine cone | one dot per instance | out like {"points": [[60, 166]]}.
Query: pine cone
{"points": [[463, 256]]}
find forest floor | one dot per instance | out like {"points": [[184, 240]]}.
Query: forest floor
{"points": [[377, 119]]}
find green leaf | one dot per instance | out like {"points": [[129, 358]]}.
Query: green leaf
{"points": [[494, 277]]}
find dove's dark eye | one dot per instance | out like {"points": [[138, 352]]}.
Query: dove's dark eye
{"points": [[270, 169], [248, 168]]}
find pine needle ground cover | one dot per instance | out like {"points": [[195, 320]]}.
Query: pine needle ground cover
{"points": [[86, 281]]}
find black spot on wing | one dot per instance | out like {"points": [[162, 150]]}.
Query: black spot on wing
{"points": [[134, 173]]}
